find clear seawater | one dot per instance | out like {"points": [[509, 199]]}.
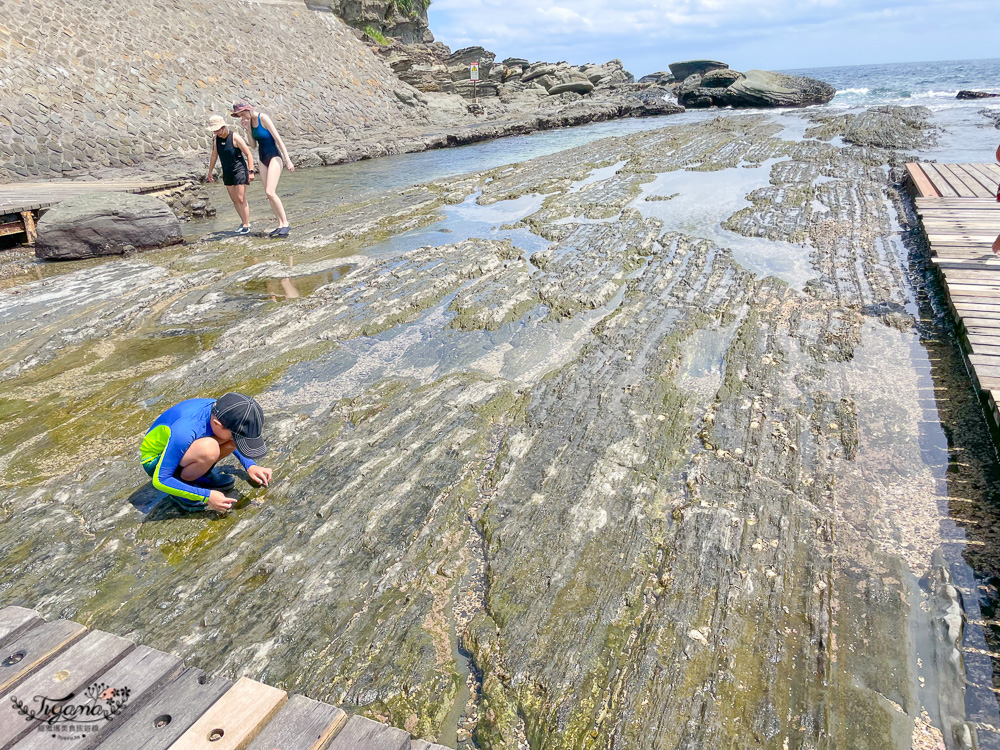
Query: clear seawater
{"points": [[969, 136], [966, 136]]}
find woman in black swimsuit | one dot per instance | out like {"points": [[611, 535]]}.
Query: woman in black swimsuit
{"points": [[237, 167], [273, 156]]}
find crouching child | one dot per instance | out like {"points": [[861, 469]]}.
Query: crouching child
{"points": [[181, 449]]}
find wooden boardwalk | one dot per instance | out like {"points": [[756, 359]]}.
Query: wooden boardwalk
{"points": [[961, 217], [53, 670], [20, 202]]}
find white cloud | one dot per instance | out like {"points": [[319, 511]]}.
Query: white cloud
{"points": [[647, 34]]}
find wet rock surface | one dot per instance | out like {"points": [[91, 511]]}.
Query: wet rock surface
{"points": [[584, 480]]}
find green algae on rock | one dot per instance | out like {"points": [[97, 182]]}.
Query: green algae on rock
{"points": [[612, 489]]}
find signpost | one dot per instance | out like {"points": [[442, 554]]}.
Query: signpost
{"points": [[474, 77]]}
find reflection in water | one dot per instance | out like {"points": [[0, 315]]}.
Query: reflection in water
{"points": [[295, 286]]}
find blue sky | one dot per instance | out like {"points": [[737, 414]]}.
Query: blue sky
{"points": [[769, 34]]}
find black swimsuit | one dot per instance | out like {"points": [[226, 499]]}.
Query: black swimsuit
{"points": [[234, 166]]}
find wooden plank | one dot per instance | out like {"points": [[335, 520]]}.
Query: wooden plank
{"points": [[990, 169], [160, 723], [955, 180], [303, 724], [142, 672], [939, 181], [235, 719], [35, 647], [364, 734], [980, 323], [989, 349], [920, 181], [988, 184], [14, 621], [71, 670], [29, 226]]}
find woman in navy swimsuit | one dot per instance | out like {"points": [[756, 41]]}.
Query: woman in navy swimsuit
{"points": [[272, 151]]}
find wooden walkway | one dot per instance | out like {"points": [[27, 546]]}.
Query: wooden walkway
{"points": [[54, 670], [961, 217], [20, 202]]}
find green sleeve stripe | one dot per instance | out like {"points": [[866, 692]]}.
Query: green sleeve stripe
{"points": [[175, 491]]}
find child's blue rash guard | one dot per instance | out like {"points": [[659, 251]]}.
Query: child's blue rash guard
{"points": [[167, 441]]}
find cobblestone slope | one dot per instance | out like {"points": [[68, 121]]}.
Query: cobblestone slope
{"points": [[81, 89]]}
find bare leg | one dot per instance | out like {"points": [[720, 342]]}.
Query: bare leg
{"points": [[203, 454], [996, 245], [271, 174], [238, 195]]}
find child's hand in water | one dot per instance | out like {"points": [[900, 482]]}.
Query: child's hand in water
{"points": [[219, 502], [260, 475]]}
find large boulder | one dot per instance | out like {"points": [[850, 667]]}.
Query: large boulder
{"points": [[537, 70], [966, 94], [94, 224], [570, 80], [762, 88], [681, 70]]}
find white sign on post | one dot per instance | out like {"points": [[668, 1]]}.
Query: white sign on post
{"points": [[474, 71]]}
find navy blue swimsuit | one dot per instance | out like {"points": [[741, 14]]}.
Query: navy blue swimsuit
{"points": [[267, 149]]}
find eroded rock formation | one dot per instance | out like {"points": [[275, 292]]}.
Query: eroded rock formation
{"points": [[662, 500], [712, 84]]}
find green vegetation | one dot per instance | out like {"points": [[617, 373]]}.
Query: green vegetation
{"points": [[409, 7], [375, 34]]}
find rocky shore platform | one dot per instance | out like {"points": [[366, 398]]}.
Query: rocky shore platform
{"points": [[675, 451]]}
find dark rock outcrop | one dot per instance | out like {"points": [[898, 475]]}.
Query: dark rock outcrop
{"points": [[655, 100], [966, 94], [406, 22], [755, 88], [762, 88], [681, 70], [96, 224]]}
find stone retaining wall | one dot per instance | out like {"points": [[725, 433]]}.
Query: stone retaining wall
{"points": [[86, 84]]}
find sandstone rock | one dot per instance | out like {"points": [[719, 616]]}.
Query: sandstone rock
{"points": [[682, 70], [720, 79], [547, 82], [537, 70], [576, 86], [516, 62], [761, 88], [459, 61], [966, 94], [570, 80], [409, 96], [659, 78], [105, 224]]}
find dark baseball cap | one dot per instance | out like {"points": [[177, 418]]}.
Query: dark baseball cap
{"points": [[244, 418]]}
